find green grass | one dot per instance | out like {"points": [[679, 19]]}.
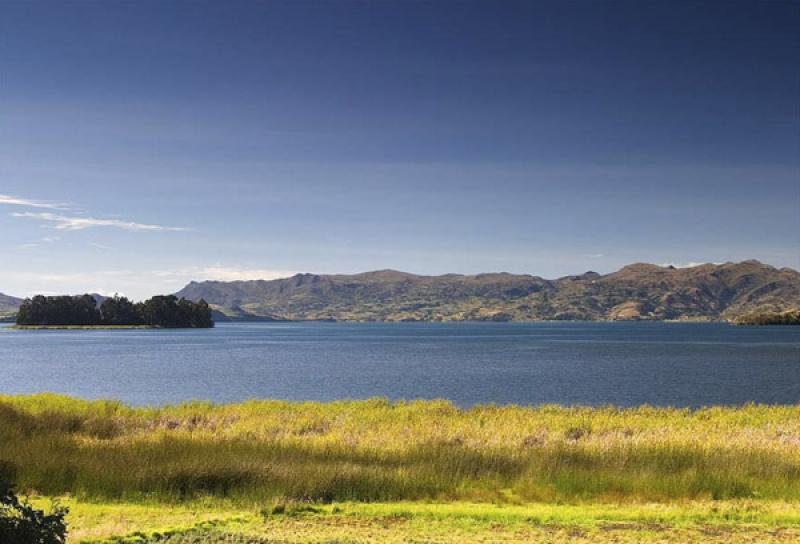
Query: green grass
{"points": [[424, 471], [215, 520], [373, 451]]}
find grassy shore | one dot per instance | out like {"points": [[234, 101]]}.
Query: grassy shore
{"points": [[214, 521], [361, 464]]}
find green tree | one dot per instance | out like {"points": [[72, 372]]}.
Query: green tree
{"points": [[160, 311], [20, 523], [169, 312], [201, 315], [119, 310], [62, 310]]}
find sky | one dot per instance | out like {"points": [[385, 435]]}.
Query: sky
{"points": [[146, 144]]}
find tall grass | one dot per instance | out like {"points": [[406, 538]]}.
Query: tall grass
{"points": [[380, 451]]}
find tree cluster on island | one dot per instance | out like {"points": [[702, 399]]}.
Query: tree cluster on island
{"points": [[165, 311]]}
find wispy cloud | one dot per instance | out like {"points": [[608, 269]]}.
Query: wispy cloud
{"points": [[221, 273], [227, 273], [72, 222], [101, 246], [17, 201], [166, 277], [64, 222], [690, 264], [139, 284], [85, 276], [45, 240]]}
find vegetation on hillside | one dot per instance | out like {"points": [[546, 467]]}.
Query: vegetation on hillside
{"points": [[788, 317], [639, 291], [159, 311], [8, 306]]}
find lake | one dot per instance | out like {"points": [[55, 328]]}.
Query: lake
{"points": [[678, 364]]}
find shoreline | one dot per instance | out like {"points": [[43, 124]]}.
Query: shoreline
{"points": [[10, 324], [456, 321], [77, 327]]}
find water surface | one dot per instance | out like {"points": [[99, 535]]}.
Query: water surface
{"points": [[524, 363]]}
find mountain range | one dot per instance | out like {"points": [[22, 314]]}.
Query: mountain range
{"points": [[638, 291]]}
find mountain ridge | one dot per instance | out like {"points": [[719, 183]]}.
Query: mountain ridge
{"points": [[636, 291], [8, 305]]}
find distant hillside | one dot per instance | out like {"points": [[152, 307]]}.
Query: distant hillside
{"points": [[638, 291], [8, 305]]}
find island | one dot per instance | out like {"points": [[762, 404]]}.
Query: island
{"points": [[83, 311]]}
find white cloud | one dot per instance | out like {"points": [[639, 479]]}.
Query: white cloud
{"points": [[82, 276], [101, 246], [690, 264], [221, 272], [63, 222], [103, 292], [139, 284], [16, 201], [45, 240], [224, 273]]}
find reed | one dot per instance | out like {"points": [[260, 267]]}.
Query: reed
{"points": [[375, 450]]}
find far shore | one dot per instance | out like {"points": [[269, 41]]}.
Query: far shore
{"points": [[683, 320], [78, 327], [365, 321]]}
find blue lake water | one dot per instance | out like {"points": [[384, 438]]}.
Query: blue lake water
{"points": [[523, 363]]}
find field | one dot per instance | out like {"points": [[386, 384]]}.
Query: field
{"points": [[423, 471]]}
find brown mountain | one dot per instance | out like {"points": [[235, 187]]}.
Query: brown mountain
{"points": [[638, 291], [8, 305]]}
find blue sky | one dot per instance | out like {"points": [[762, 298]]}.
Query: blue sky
{"points": [[144, 144]]}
